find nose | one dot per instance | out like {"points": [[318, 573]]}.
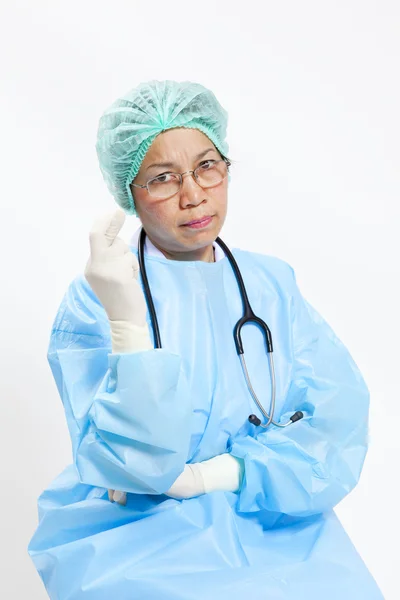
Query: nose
{"points": [[191, 193]]}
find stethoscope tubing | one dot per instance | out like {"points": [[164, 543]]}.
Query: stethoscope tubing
{"points": [[248, 316]]}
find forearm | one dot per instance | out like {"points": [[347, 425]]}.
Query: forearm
{"points": [[301, 470], [122, 413]]}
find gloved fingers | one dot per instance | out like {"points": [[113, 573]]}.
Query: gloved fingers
{"points": [[120, 497], [132, 261], [99, 255], [104, 231], [119, 248], [114, 226], [116, 496]]}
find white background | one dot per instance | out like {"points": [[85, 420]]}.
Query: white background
{"points": [[312, 92]]}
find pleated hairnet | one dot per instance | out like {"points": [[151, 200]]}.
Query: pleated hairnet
{"points": [[128, 127]]}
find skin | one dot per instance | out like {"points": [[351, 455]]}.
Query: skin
{"points": [[163, 219]]}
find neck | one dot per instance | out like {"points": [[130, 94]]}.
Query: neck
{"points": [[205, 254]]}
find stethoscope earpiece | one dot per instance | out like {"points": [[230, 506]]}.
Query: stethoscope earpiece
{"points": [[254, 420]]}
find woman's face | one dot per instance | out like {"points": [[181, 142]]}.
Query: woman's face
{"points": [[164, 219]]}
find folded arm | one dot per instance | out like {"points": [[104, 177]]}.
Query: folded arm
{"points": [[129, 413], [311, 465]]}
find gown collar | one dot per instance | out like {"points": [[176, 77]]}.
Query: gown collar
{"points": [[151, 250]]}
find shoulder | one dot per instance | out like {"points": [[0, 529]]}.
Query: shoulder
{"points": [[81, 314], [278, 271]]}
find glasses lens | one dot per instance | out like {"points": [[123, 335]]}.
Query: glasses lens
{"points": [[208, 174], [211, 173], [164, 186]]}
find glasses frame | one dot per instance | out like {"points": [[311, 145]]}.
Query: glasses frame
{"points": [[180, 175]]}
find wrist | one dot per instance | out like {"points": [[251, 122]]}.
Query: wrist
{"points": [[129, 337], [188, 484], [222, 473]]}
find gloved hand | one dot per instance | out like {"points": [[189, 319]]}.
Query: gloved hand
{"points": [[223, 472], [112, 271], [189, 483]]}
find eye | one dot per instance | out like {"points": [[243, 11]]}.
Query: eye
{"points": [[162, 178], [206, 164]]}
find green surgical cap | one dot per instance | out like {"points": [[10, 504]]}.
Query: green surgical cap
{"points": [[128, 127]]}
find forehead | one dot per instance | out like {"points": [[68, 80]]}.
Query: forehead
{"points": [[175, 142]]}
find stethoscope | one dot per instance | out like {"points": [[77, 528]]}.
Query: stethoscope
{"points": [[248, 317]]}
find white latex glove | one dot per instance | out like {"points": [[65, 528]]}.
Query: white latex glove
{"points": [[223, 472], [115, 496], [112, 271], [190, 483]]}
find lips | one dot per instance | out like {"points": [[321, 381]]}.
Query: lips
{"points": [[198, 220]]}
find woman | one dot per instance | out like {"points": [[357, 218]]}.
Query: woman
{"points": [[173, 492]]}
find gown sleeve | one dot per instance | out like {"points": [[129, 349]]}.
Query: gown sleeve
{"points": [[128, 414], [310, 466]]}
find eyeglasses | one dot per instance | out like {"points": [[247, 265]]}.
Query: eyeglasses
{"points": [[208, 174]]}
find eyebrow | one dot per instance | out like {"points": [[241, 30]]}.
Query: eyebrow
{"points": [[171, 164]]}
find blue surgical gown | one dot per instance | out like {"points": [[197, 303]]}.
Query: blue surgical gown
{"points": [[135, 419]]}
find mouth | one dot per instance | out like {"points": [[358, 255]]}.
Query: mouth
{"points": [[198, 223]]}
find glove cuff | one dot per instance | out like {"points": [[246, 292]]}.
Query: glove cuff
{"points": [[222, 473], [128, 337]]}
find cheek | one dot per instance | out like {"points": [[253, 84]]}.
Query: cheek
{"points": [[153, 213], [220, 197]]}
